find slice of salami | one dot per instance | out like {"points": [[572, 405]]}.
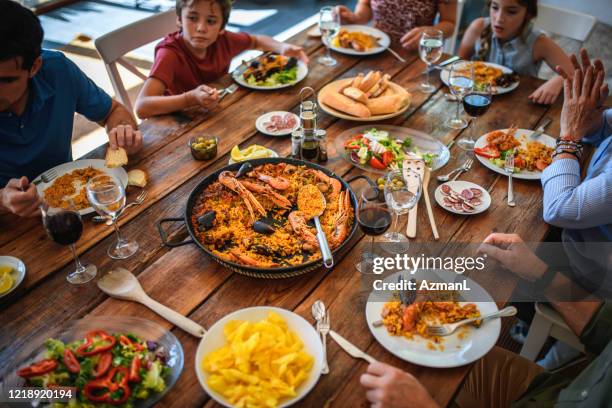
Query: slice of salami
{"points": [[476, 191], [467, 208], [452, 200], [476, 201], [447, 202], [458, 207], [467, 194], [445, 189], [468, 204]]}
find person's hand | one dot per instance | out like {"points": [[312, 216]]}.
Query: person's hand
{"points": [[295, 51], [346, 15], [125, 136], [548, 92], [204, 96], [511, 251], [390, 387], [585, 93], [410, 40], [20, 197]]}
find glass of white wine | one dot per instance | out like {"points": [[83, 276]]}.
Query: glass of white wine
{"points": [[430, 51], [107, 196], [460, 83], [329, 25]]}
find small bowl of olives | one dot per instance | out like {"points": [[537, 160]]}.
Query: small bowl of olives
{"points": [[203, 147]]}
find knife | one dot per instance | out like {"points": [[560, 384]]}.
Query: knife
{"points": [[350, 348], [540, 130], [444, 63]]}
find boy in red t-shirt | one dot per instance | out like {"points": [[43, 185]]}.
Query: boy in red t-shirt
{"points": [[200, 52]]}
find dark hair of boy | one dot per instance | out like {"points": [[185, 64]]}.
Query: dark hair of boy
{"points": [[225, 5], [21, 33], [487, 34]]}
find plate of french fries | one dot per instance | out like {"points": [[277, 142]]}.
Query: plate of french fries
{"points": [[367, 97], [259, 356]]}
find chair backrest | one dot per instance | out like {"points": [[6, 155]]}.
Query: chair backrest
{"points": [[114, 45], [566, 23], [451, 42]]}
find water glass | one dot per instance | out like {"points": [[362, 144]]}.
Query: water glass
{"points": [[107, 196], [329, 25], [460, 83], [402, 193], [430, 51]]}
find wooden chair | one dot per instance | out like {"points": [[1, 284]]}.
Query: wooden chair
{"points": [[547, 322], [563, 22], [114, 45]]}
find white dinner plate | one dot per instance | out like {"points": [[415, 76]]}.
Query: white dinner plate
{"points": [[457, 351], [274, 154], [458, 186], [523, 135], [98, 164], [383, 40], [259, 123], [301, 74], [18, 274], [496, 90], [214, 339]]}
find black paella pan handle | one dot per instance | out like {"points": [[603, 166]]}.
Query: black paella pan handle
{"points": [[164, 236]]}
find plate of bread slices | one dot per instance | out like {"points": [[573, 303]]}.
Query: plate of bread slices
{"points": [[367, 98]]}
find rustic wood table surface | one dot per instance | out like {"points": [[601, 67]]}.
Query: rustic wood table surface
{"points": [[186, 280]]}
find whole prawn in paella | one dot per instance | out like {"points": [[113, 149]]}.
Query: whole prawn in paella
{"points": [[252, 218]]}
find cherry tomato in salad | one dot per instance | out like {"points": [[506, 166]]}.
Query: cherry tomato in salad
{"points": [[377, 164], [387, 158], [71, 362]]}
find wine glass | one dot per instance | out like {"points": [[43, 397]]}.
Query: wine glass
{"points": [[329, 25], [460, 82], [374, 218], [65, 227], [107, 196], [402, 192], [430, 50], [476, 104]]}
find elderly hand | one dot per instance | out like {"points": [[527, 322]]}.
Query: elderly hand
{"points": [[410, 40], [125, 136], [585, 95], [18, 199], [510, 250], [390, 387], [291, 50]]}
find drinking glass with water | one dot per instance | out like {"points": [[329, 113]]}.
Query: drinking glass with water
{"points": [[329, 25], [430, 51]]}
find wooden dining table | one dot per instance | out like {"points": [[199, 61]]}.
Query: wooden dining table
{"points": [[188, 281]]}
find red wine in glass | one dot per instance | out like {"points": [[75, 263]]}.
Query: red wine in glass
{"points": [[374, 221], [66, 227], [476, 104]]}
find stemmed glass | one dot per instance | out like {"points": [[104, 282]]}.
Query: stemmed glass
{"points": [[107, 196], [65, 227], [402, 193], [374, 218], [460, 82], [430, 50], [476, 104], [329, 25]]}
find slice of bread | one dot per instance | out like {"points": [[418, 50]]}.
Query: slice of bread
{"points": [[137, 178], [116, 158]]}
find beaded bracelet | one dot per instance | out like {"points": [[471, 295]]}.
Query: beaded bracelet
{"points": [[569, 147]]}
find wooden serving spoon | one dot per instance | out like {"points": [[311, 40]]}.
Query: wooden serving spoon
{"points": [[122, 284]]}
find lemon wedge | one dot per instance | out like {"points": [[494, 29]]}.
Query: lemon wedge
{"points": [[251, 152], [5, 269], [6, 282]]}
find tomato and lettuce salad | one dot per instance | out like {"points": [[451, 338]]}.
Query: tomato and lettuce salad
{"points": [[380, 151], [106, 370]]}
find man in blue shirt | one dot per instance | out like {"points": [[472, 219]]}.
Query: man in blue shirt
{"points": [[583, 208], [40, 91]]}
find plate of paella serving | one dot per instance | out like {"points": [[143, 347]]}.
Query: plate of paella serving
{"points": [[502, 79], [247, 216], [359, 40], [531, 155], [67, 189], [401, 327]]}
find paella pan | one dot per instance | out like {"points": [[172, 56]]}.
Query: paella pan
{"points": [[245, 216]]}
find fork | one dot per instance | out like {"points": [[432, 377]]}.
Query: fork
{"points": [[139, 200], [324, 328], [46, 177], [509, 168], [460, 168], [227, 91], [449, 328], [468, 165]]}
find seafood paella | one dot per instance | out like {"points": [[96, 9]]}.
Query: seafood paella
{"points": [[250, 217], [68, 191]]}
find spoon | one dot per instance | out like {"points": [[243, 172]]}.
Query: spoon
{"points": [[318, 312], [122, 284], [328, 259]]}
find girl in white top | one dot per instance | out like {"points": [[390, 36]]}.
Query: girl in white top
{"points": [[508, 38]]}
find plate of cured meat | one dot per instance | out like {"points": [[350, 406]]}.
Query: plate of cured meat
{"points": [[277, 123], [462, 197]]}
